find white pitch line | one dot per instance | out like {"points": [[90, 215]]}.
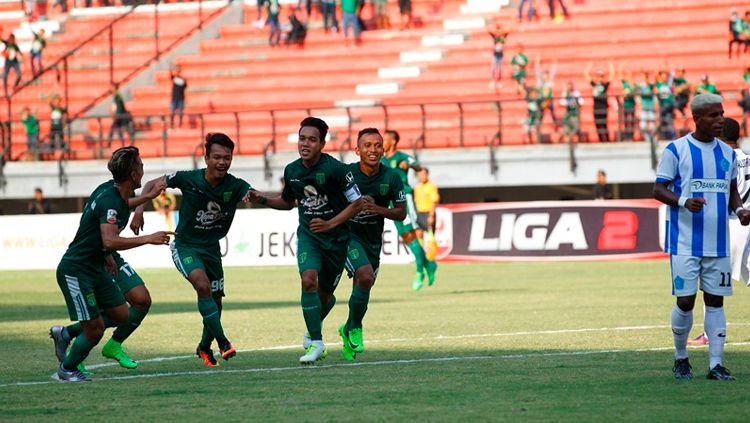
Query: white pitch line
{"points": [[370, 363]]}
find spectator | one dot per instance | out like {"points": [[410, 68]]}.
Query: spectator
{"points": [[532, 118], [179, 85], [499, 38], [666, 104], [746, 31], [705, 86], [31, 125], [39, 205], [381, 14], [530, 9], [39, 43], [308, 7], [519, 63], [545, 81], [600, 86], [628, 104], [744, 102], [645, 95], [736, 32], [121, 118], [297, 31], [349, 19], [601, 190], [553, 14], [274, 27], [572, 101], [12, 55], [404, 7], [681, 93], [329, 15], [165, 204], [57, 123]]}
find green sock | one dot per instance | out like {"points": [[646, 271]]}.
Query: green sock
{"points": [[327, 308], [419, 255], [78, 352], [135, 317], [312, 310], [211, 318], [206, 338], [357, 307], [72, 331]]}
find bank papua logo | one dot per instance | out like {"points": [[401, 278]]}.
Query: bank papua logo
{"points": [[709, 185], [209, 216], [313, 200]]}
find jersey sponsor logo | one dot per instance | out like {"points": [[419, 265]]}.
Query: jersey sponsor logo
{"points": [[111, 216], [320, 178], [313, 200], [384, 189], [349, 177], [401, 196], [353, 193], [210, 216], [709, 185]]}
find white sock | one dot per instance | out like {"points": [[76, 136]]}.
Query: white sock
{"points": [[682, 322], [715, 324]]}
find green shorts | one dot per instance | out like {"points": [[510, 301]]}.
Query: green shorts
{"points": [[126, 278], [187, 259], [87, 290], [328, 262], [410, 222], [359, 256]]}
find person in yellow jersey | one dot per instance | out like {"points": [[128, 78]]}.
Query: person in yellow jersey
{"points": [[165, 204], [426, 199]]}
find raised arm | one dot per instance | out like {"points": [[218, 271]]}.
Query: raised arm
{"points": [[151, 190], [273, 200], [587, 71]]}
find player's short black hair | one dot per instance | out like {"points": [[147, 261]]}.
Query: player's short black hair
{"points": [[218, 138], [123, 162], [366, 131], [317, 123], [731, 130], [394, 134]]}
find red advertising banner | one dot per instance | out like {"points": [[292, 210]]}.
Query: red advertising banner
{"points": [[559, 230]]}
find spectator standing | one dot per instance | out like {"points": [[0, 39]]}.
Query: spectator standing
{"points": [[600, 86], [666, 104], [297, 31], [39, 205], [681, 93], [519, 62], [736, 32], [645, 95], [705, 87], [350, 20], [177, 103], [57, 123], [31, 125], [530, 12], [553, 13], [531, 124], [602, 191], [572, 101], [121, 118], [628, 104], [12, 55], [404, 7], [381, 14], [545, 81], [499, 37], [274, 27], [329, 15], [37, 46]]}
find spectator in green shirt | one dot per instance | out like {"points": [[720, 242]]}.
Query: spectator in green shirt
{"points": [[31, 123], [628, 104], [705, 86]]}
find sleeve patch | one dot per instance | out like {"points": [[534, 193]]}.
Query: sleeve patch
{"points": [[111, 216]]}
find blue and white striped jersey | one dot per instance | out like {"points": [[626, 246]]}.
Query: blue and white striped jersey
{"points": [[698, 169]]}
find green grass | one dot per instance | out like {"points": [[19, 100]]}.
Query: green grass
{"points": [[488, 342]]}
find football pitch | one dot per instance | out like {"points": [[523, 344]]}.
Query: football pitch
{"points": [[488, 342]]}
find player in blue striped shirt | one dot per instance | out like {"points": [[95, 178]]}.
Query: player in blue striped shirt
{"points": [[696, 178]]}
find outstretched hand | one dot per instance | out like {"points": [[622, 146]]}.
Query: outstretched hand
{"points": [[159, 238]]}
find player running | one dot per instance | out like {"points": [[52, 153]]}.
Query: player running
{"points": [[401, 163], [317, 183], [696, 178], [209, 202], [85, 271]]}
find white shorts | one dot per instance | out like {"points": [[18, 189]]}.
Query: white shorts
{"points": [[739, 250], [714, 274]]}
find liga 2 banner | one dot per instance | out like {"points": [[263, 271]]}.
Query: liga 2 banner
{"points": [[556, 230]]}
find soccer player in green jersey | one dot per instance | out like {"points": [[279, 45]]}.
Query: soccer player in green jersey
{"points": [[91, 294], [209, 202], [317, 183], [381, 186], [401, 163]]}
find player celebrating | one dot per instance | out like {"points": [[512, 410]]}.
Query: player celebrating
{"points": [[209, 202], [86, 285], [401, 163], [316, 181], [696, 178]]}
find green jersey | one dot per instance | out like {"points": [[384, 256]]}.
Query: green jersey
{"points": [[206, 212], [394, 161], [646, 92], [664, 92], [104, 206], [319, 191], [628, 101], [385, 187], [705, 88]]}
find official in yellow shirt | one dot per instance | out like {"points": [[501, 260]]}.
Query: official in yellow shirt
{"points": [[426, 199]]}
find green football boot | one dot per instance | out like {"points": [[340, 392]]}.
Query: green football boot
{"points": [[346, 350], [356, 342], [431, 269], [113, 349], [417, 283]]}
